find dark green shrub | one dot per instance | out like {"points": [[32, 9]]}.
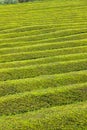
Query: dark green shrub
{"points": [[21, 1]]}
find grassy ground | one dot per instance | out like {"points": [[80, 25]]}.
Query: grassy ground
{"points": [[43, 65]]}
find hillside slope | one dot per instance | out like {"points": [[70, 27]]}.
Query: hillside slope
{"points": [[43, 65]]}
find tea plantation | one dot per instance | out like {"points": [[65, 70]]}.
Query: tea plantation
{"points": [[43, 65]]}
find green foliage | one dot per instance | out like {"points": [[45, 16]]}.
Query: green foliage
{"points": [[41, 54], [43, 69], [41, 82], [69, 117], [43, 65], [29, 101], [45, 60]]}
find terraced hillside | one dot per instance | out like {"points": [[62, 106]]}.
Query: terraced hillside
{"points": [[43, 65]]}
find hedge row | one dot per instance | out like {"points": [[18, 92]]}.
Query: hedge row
{"points": [[30, 101], [45, 60], [42, 82], [69, 117], [42, 54], [43, 69]]}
